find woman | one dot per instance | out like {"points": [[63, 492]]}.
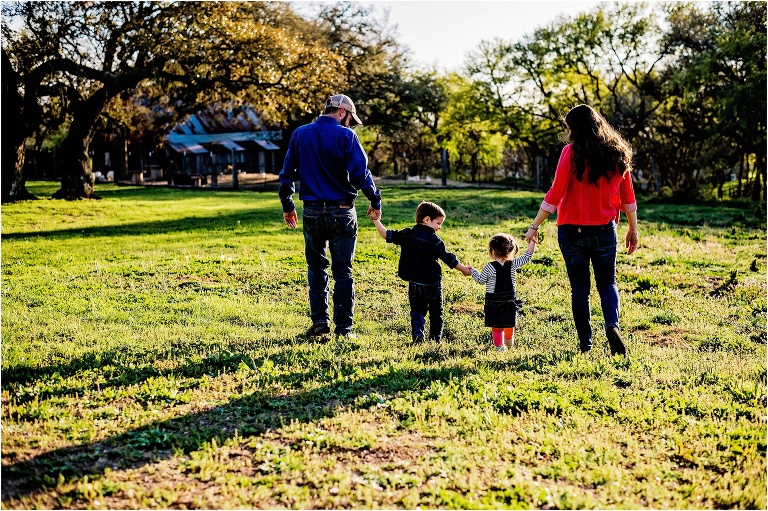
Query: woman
{"points": [[592, 186]]}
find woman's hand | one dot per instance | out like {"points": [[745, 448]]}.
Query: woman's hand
{"points": [[631, 241], [532, 235]]}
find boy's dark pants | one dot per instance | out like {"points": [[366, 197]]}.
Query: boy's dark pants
{"points": [[425, 298]]}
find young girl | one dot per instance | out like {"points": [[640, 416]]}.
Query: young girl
{"points": [[499, 277]]}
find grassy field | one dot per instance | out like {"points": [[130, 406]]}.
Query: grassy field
{"points": [[153, 357]]}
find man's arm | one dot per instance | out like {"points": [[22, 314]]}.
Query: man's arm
{"points": [[288, 176], [360, 176]]}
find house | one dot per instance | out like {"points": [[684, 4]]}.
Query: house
{"points": [[215, 142]]}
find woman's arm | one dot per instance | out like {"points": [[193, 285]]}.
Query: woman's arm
{"points": [[633, 237], [533, 230], [555, 194]]}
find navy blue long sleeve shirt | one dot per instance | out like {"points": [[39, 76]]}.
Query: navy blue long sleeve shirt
{"points": [[331, 164], [421, 248]]}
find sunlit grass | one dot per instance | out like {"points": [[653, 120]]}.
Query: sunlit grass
{"points": [[153, 357]]}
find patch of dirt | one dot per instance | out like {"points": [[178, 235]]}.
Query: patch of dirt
{"points": [[470, 308], [672, 338], [185, 280]]}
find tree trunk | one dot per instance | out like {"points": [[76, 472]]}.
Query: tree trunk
{"points": [[77, 176], [741, 174], [13, 138], [473, 167], [14, 186], [758, 185], [747, 176]]}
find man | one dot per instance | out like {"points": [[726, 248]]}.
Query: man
{"points": [[326, 156]]}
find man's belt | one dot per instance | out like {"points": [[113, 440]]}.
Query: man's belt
{"points": [[328, 204]]}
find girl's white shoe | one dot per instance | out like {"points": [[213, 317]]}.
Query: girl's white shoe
{"points": [[501, 348]]}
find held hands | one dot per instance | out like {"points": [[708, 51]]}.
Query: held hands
{"points": [[290, 219], [631, 241], [373, 214], [532, 235], [466, 270]]}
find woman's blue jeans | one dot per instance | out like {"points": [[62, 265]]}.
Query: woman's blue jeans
{"points": [[580, 245], [331, 228]]}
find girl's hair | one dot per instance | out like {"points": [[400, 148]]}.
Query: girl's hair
{"points": [[597, 144], [428, 209], [503, 245]]}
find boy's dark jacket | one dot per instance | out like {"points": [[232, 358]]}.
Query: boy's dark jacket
{"points": [[421, 248]]}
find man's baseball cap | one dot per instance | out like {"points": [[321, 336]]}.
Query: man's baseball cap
{"points": [[342, 101]]}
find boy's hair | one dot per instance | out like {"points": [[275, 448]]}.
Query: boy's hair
{"points": [[503, 245], [428, 209]]}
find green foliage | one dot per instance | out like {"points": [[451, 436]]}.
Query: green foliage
{"points": [[153, 355], [149, 64], [683, 82]]}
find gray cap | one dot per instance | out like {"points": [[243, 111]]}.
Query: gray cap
{"points": [[343, 101]]}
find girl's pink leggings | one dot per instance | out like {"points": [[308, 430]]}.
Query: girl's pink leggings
{"points": [[500, 334]]}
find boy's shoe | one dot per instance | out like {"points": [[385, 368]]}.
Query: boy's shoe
{"points": [[418, 339], [501, 348], [614, 340], [318, 329]]}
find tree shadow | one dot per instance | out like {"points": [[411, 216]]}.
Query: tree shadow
{"points": [[249, 415], [126, 368], [260, 216]]}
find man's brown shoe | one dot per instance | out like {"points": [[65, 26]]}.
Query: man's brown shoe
{"points": [[319, 329]]}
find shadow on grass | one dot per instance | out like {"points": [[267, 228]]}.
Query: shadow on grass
{"points": [[122, 368], [258, 216], [249, 415], [46, 189]]}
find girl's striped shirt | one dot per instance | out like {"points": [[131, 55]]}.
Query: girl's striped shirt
{"points": [[488, 275]]}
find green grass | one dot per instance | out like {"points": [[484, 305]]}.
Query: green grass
{"points": [[153, 357]]}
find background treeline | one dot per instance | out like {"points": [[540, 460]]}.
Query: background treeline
{"points": [[685, 83]]}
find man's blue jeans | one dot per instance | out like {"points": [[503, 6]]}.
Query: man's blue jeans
{"points": [[425, 298], [331, 228], [579, 245]]}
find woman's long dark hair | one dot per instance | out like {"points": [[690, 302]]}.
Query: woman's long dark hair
{"points": [[597, 144]]}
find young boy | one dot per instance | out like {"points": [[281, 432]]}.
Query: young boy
{"points": [[421, 248]]}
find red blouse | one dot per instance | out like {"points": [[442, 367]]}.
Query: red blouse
{"points": [[580, 203]]}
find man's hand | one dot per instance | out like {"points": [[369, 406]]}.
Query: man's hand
{"points": [[373, 214], [291, 219]]}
